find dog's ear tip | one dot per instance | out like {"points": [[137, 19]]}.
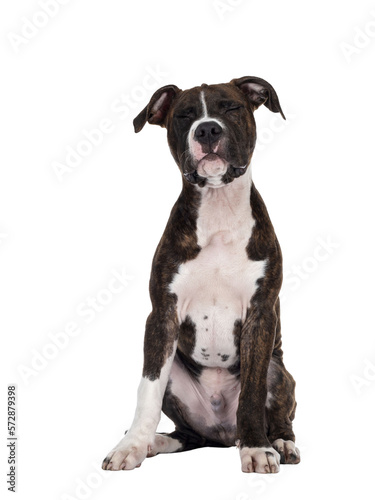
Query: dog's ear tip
{"points": [[140, 120], [138, 125]]}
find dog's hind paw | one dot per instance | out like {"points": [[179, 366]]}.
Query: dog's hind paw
{"points": [[289, 453]]}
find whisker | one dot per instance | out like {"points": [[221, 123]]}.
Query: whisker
{"points": [[182, 159]]}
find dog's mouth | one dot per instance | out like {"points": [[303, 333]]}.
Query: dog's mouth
{"points": [[194, 178], [227, 177], [232, 173], [212, 165], [212, 170], [211, 156]]}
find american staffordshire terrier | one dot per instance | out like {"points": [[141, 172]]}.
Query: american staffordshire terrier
{"points": [[213, 361]]}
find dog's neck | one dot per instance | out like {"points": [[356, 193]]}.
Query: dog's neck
{"points": [[224, 213]]}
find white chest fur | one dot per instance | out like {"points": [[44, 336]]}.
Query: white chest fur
{"points": [[215, 288]]}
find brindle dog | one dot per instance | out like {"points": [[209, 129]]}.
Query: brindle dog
{"points": [[212, 351]]}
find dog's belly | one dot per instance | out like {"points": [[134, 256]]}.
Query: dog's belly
{"points": [[207, 404], [213, 296]]}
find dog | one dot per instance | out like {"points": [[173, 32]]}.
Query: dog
{"points": [[213, 361]]}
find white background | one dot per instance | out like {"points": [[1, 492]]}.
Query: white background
{"points": [[60, 241]]}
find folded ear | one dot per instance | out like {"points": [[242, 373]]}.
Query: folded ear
{"points": [[258, 91], [157, 109]]}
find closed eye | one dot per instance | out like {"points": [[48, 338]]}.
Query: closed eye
{"points": [[233, 108], [186, 114]]}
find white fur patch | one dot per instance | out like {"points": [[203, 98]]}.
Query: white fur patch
{"points": [[138, 441], [149, 401], [164, 444], [215, 288], [261, 460]]}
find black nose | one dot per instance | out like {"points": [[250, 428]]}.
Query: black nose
{"points": [[208, 132]]}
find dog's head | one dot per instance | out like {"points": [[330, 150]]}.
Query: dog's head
{"points": [[211, 128]]}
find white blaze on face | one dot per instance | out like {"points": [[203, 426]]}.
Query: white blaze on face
{"points": [[204, 105], [210, 166]]}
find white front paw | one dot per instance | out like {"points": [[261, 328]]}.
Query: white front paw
{"points": [[263, 460], [127, 454]]}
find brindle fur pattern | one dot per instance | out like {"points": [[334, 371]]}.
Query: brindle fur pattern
{"points": [[260, 365]]}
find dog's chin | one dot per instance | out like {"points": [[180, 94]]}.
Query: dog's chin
{"points": [[214, 171]]}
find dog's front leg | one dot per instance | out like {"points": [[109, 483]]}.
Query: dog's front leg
{"points": [[159, 350], [257, 341]]}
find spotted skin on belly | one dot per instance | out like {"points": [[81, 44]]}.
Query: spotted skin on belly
{"points": [[216, 352]]}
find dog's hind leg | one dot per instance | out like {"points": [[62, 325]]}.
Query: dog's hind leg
{"points": [[165, 443], [180, 440], [176, 441]]}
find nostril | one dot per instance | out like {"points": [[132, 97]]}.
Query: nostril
{"points": [[208, 132]]}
